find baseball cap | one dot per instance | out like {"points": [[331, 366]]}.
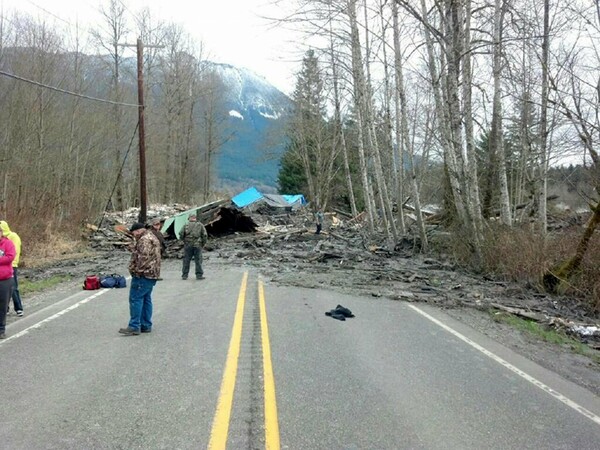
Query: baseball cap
{"points": [[136, 226]]}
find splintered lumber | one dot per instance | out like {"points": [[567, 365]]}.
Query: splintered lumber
{"points": [[206, 213], [120, 228], [425, 212], [358, 218], [116, 243], [289, 234], [251, 238], [343, 213], [496, 212], [337, 236], [325, 256]]}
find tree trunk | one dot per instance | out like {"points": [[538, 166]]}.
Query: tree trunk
{"points": [[359, 94], [120, 206], [496, 141], [402, 133], [399, 110], [373, 144], [471, 170], [543, 164], [339, 127], [556, 279]]}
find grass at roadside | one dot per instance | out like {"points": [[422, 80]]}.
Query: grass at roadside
{"points": [[27, 287], [546, 334]]}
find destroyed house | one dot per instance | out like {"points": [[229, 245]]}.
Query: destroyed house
{"points": [[217, 217]]}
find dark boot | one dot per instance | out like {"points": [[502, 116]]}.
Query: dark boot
{"points": [[129, 331]]}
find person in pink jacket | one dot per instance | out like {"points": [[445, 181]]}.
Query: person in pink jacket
{"points": [[7, 255]]}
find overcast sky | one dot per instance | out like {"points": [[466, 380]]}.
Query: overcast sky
{"points": [[233, 31]]}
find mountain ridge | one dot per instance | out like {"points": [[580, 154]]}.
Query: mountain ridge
{"points": [[257, 113]]}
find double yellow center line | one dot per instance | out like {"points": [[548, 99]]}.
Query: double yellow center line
{"points": [[220, 428]]}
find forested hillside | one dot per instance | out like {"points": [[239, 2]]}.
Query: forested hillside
{"points": [[70, 115]]}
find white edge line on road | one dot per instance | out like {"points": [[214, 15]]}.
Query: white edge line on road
{"points": [[58, 314], [577, 407]]}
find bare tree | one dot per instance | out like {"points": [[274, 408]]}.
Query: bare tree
{"points": [[496, 141], [213, 130], [446, 77], [543, 163], [339, 137], [402, 132], [111, 36]]}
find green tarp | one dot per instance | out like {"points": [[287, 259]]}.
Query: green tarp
{"points": [[178, 221]]}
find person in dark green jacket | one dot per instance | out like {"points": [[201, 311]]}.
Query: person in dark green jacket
{"points": [[194, 238]]}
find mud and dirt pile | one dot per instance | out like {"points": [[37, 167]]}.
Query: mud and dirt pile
{"points": [[286, 250]]}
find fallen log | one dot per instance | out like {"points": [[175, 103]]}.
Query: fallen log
{"points": [[286, 236], [342, 213], [520, 312], [325, 256], [249, 238], [341, 238]]}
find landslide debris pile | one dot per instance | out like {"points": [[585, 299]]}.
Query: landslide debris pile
{"points": [[288, 251], [285, 248]]}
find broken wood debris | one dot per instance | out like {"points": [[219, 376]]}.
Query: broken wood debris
{"points": [[520, 312], [218, 218], [285, 245], [583, 331]]}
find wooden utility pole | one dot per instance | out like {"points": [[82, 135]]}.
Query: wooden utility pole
{"points": [[141, 129]]}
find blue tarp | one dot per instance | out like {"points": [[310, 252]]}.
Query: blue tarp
{"points": [[247, 197], [252, 195], [291, 199]]}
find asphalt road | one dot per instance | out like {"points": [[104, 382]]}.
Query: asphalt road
{"points": [[230, 364]]}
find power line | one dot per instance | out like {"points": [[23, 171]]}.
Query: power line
{"points": [[136, 17], [16, 77], [108, 202], [4, 18], [50, 13]]}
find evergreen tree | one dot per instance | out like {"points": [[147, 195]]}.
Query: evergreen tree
{"points": [[291, 178], [310, 136]]}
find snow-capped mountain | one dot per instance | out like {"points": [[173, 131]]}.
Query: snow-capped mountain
{"points": [[256, 123], [249, 90]]}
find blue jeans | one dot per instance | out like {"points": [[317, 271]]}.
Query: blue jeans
{"points": [[140, 303], [16, 297]]}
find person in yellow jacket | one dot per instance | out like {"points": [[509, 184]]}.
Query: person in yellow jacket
{"points": [[16, 240]]}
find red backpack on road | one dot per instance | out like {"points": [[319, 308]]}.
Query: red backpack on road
{"points": [[91, 282]]}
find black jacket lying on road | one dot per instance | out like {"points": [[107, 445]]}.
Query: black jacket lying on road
{"points": [[339, 313]]}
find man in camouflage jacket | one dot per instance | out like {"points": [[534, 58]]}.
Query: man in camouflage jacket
{"points": [[144, 268], [194, 238]]}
